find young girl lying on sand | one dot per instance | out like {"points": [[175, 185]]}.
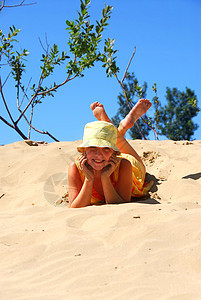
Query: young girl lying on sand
{"points": [[108, 170]]}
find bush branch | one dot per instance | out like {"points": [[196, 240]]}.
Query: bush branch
{"points": [[15, 5], [4, 101], [126, 71]]}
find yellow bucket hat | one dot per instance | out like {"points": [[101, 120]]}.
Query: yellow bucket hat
{"points": [[99, 134]]}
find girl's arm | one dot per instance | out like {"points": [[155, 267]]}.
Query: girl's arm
{"points": [[122, 191], [79, 193]]}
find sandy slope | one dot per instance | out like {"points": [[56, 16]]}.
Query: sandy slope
{"points": [[147, 249]]}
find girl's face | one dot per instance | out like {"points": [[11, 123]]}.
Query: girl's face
{"points": [[98, 157]]}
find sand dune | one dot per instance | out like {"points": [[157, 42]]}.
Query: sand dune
{"points": [[147, 249]]}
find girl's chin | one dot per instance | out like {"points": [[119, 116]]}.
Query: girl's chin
{"points": [[95, 167]]}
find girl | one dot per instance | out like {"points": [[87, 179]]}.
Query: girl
{"points": [[108, 170]]}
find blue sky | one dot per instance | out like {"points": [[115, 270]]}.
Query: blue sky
{"points": [[167, 36]]}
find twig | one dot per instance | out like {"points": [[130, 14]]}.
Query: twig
{"points": [[2, 195], [57, 86], [31, 116], [2, 6], [61, 84], [156, 135], [45, 92], [14, 126], [39, 131], [18, 92], [46, 51], [138, 127], [4, 101], [16, 5], [128, 64], [22, 113], [6, 79], [124, 91], [46, 132], [122, 81], [25, 95]]}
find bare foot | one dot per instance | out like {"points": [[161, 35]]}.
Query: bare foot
{"points": [[136, 112], [99, 112]]}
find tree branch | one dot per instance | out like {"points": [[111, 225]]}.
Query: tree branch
{"points": [[2, 6], [124, 91], [16, 5], [14, 127], [122, 81], [46, 92], [31, 126], [22, 113], [138, 127], [6, 122], [4, 101], [128, 65], [156, 135], [61, 84], [25, 95], [6, 79], [57, 86], [31, 116], [46, 51]]}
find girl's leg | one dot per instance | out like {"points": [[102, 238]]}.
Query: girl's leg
{"points": [[137, 111]]}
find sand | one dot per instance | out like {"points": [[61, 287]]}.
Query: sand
{"points": [[147, 249]]}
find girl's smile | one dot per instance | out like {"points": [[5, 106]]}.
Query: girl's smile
{"points": [[98, 157]]}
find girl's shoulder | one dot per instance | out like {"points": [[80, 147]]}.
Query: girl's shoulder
{"points": [[125, 164], [72, 169], [76, 170], [72, 166], [136, 164], [124, 167]]}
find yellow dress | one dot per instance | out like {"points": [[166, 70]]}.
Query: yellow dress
{"points": [[139, 188]]}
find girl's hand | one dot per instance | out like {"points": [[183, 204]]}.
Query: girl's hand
{"points": [[86, 168], [109, 169]]}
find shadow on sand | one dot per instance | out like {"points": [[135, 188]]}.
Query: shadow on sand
{"points": [[152, 197], [195, 176]]}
